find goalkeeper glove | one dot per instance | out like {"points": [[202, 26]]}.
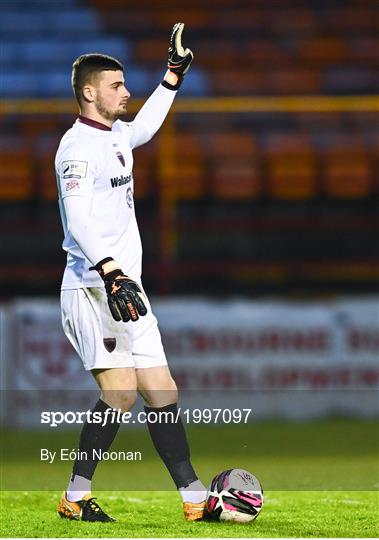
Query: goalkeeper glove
{"points": [[179, 59], [124, 295]]}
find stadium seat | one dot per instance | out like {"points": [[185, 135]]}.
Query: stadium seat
{"points": [[16, 176], [364, 50], [231, 17], [352, 18], [348, 175], [48, 190], [291, 80], [295, 19], [230, 145], [188, 181], [321, 50], [39, 129], [58, 84], [347, 80], [151, 50], [187, 146], [144, 170], [291, 167], [57, 51], [266, 52], [229, 53], [188, 178], [24, 5], [37, 21], [240, 180], [239, 82], [198, 84], [234, 165], [292, 177], [143, 178]]}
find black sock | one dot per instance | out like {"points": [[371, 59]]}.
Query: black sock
{"points": [[170, 441], [95, 436]]}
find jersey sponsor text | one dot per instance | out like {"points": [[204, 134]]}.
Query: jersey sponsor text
{"points": [[121, 180]]}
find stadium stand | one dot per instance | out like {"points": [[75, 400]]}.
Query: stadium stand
{"points": [[262, 164], [292, 167]]}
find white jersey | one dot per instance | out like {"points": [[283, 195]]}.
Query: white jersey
{"points": [[94, 167]]}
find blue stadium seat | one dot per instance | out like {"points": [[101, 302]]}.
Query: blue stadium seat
{"points": [[27, 53], [19, 84], [195, 84], [49, 21], [55, 84], [347, 80], [58, 84], [139, 81], [16, 5]]}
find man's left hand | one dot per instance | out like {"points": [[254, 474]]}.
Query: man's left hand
{"points": [[179, 59]]}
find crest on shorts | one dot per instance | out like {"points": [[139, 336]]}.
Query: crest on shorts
{"points": [[110, 344], [120, 157]]}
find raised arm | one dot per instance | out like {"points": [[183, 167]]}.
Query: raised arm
{"points": [[151, 116]]}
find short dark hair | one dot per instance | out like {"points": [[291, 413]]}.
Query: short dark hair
{"points": [[88, 65]]}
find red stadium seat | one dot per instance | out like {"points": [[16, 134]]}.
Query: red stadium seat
{"points": [[293, 177], [234, 165], [187, 178], [145, 170], [347, 168], [348, 176], [189, 181], [16, 178], [356, 18], [322, 50], [291, 80], [230, 145], [266, 52], [237, 81], [237, 181], [151, 49], [291, 167], [47, 182]]}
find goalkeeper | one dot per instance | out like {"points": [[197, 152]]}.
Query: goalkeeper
{"points": [[105, 312]]}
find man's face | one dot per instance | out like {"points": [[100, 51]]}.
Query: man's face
{"points": [[111, 95]]}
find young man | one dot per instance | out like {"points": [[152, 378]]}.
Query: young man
{"points": [[105, 312]]}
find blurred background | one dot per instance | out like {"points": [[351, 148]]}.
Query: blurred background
{"points": [[264, 179], [257, 201]]}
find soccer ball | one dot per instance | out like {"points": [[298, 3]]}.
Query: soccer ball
{"points": [[235, 495]]}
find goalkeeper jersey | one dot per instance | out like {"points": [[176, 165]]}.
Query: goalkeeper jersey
{"points": [[94, 168]]}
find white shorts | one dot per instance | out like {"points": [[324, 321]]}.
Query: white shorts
{"points": [[104, 343]]}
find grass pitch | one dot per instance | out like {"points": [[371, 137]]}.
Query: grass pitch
{"points": [[329, 469], [159, 514]]}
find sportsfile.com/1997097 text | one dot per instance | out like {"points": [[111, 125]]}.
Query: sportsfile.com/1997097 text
{"points": [[196, 416]]}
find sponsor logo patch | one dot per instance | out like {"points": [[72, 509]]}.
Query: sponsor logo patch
{"points": [[72, 185], [74, 169]]}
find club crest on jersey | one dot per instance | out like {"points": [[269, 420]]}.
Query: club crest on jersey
{"points": [[120, 157], [129, 197]]}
